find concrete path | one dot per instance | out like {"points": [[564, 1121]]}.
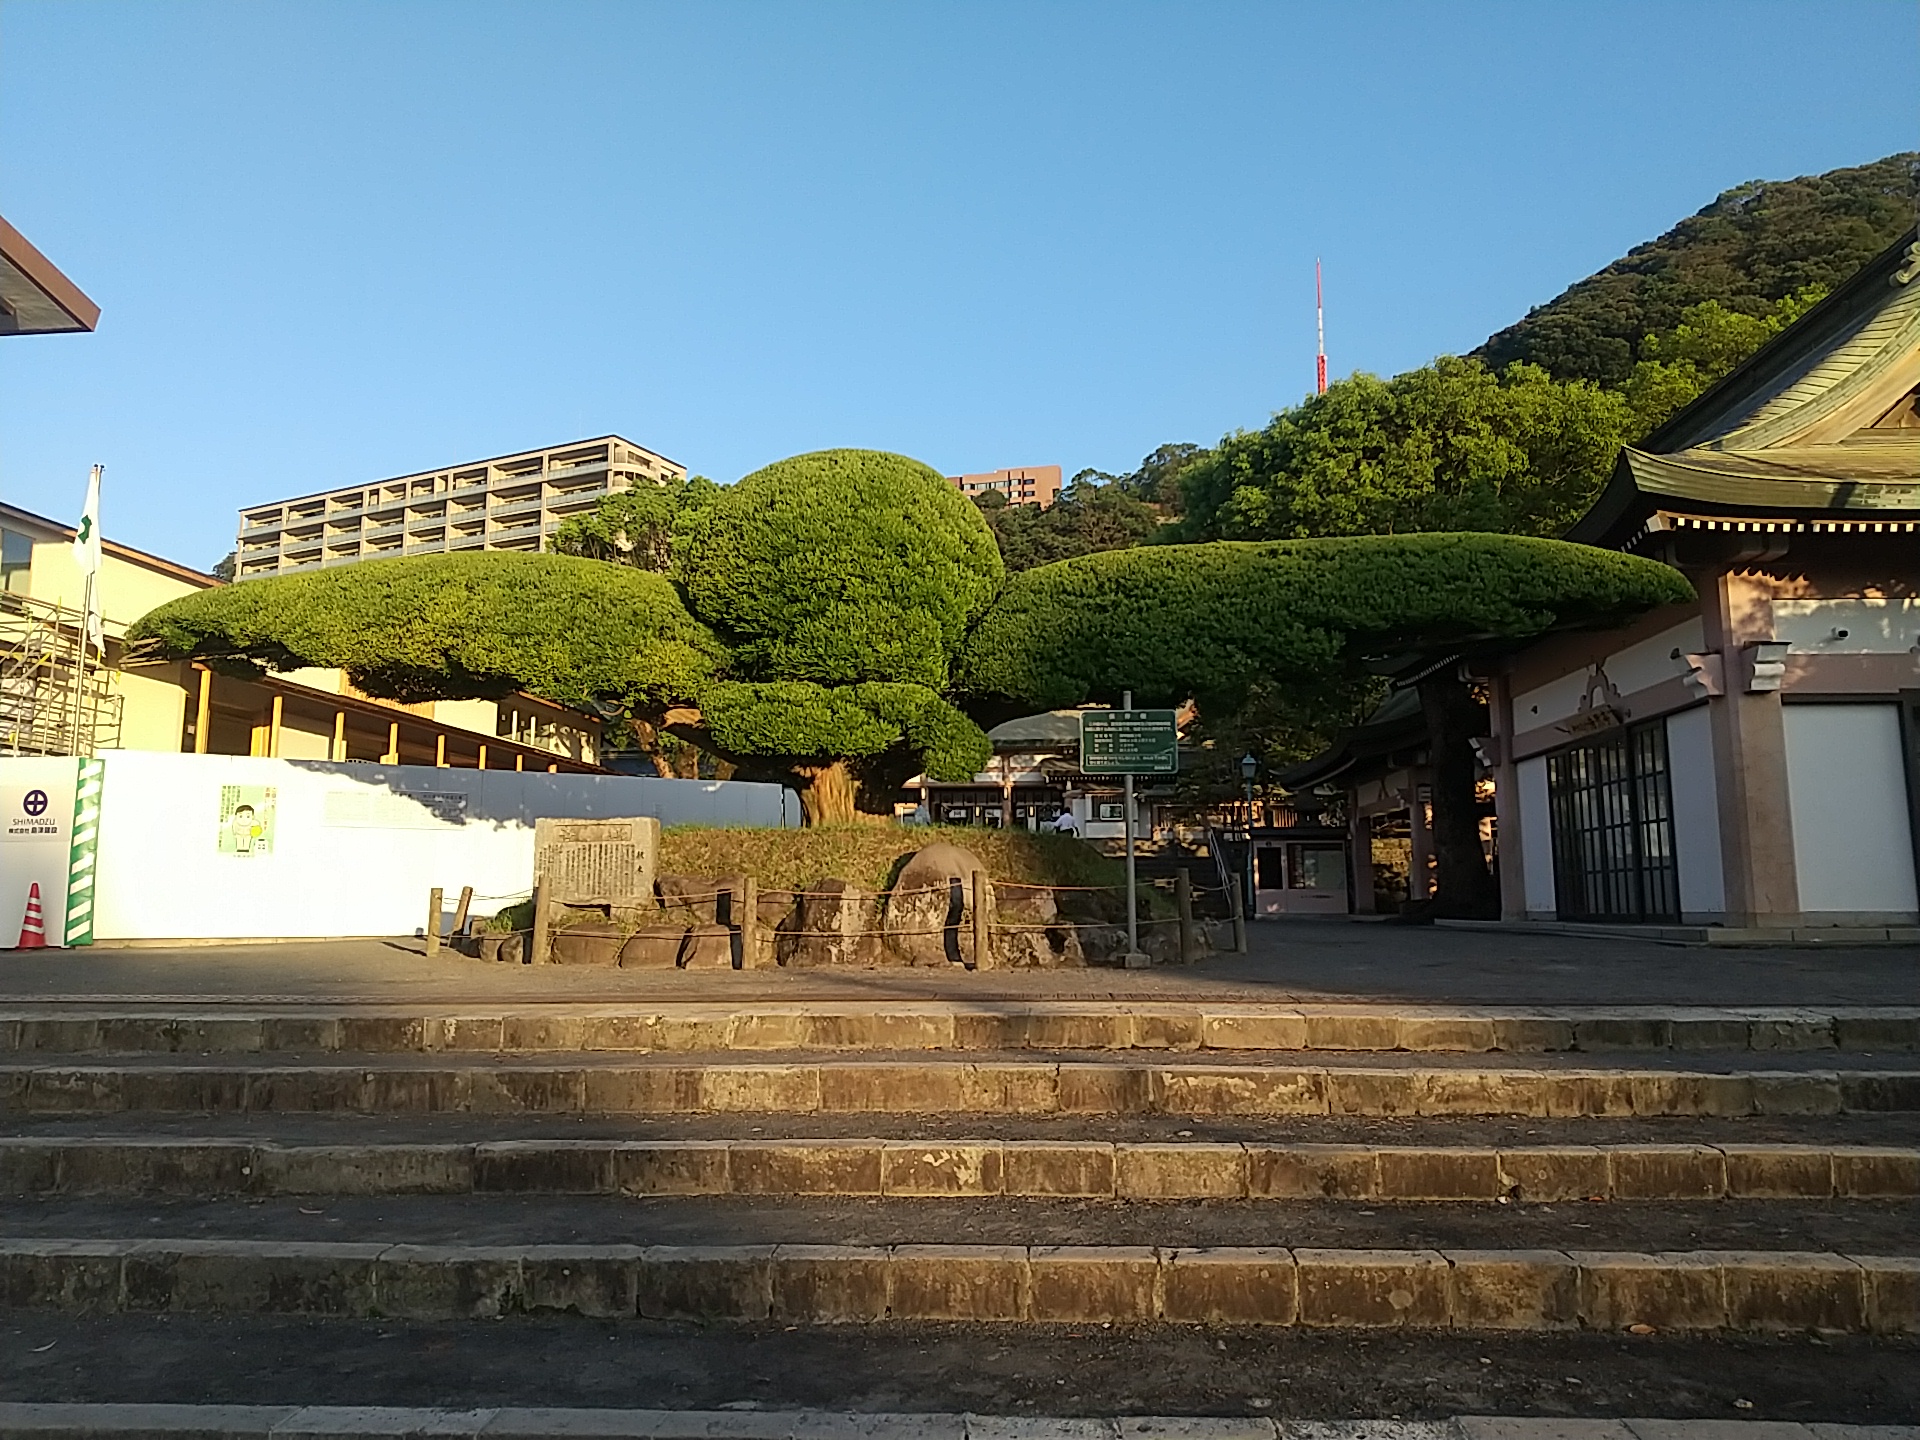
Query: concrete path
{"points": [[1300, 960]]}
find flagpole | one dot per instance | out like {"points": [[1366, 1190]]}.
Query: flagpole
{"points": [[86, 553], [80, 667]]}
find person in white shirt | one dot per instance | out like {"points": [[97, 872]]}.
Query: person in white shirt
{"points": [[1066, 823]]}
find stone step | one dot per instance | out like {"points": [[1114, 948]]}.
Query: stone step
{"points": [[502, 1218], [1896, 1129], [919, 1169], [56, 1420], [952, 1025], [1223, 1085], [1427, 1289]]}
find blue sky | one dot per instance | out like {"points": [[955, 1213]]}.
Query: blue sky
{"points": [[334, 242]]}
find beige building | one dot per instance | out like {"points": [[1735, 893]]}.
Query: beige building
{"points": [[120, 703], [510, 502], [1027, 485]]}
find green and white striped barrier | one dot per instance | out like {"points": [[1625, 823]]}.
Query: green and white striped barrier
{"points": [[80, 858]]}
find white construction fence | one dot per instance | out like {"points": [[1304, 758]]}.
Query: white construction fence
{"points": [[143, 846]]}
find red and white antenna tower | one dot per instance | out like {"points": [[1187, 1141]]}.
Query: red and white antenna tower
{"points": [[1320, 320]]}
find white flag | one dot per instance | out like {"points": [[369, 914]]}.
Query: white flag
{"points": [[86, 554], [86, 539]]}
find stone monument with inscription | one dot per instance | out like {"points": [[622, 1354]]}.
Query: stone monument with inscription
{"points": [[603, 864]]}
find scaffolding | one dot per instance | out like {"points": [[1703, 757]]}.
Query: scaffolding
{"points": [[55, 699]]}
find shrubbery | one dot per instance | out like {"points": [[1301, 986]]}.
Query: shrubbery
{"points": [[1173, 622]]}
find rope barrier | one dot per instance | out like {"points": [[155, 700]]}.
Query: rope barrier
{"points": [[1087, 925]]}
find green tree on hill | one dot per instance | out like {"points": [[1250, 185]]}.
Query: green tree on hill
{"points": [[1753, 246], [1677, 365], [1451, 446], [1089, 516]]}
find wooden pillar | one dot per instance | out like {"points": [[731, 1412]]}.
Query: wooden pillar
{"points": [[1509, 847], [982, 934], [273, 733], [1360, 857], [746, 902], [1419, 879], [203, 710], [460, 915], [440, 751], [1762, 880], [542, 921], [1183, 905], [433, 922], [339, 734], [392, 757]]}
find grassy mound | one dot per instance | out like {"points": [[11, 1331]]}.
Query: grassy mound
{"points": [[870, 855]]}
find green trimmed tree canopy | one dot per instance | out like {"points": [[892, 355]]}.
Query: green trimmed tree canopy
{"points": [[1172, 622], [817, 722], [452, 626], [840, 567]]}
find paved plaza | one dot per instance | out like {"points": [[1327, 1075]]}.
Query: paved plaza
{"points": [[1297, 960]]}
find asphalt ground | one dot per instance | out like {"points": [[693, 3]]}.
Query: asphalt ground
{"points": [[1859, 1227], [1288, 960], [1031, 1370]]}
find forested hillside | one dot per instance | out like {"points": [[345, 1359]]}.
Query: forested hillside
{"points": [[1756, 244]]}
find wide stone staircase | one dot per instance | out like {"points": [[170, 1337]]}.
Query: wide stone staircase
{"points": [[889, 1161]]}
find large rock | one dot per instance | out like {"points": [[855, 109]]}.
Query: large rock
{"points": [[653, 947], [699, 899], [833, 923], [586, 947], [930, 912], [708, 947], [1031, 933]]}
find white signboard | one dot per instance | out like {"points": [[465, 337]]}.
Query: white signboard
{"points": [[36, 841]]}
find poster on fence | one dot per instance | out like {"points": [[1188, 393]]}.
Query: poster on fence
{"points": [[36, 849], [246, 820]]}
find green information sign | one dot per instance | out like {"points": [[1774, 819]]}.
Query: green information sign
{"points": [[1129, 742]]}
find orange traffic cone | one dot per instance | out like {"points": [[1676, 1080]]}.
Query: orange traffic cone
{"points": [[33, 930]]}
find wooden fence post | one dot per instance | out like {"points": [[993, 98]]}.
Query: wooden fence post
{"points": [[433, 922], [1183, 903], [982, 934], [746, 902], [537, 950], [460, 914]]}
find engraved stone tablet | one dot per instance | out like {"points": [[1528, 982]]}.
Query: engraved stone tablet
{"points": [[597, 862]]}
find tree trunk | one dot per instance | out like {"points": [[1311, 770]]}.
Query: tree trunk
{"points": [[828, 793], [649, 739], [1464, 886]]}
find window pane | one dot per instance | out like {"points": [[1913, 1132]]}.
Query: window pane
{"points": [[1319, 867], [16, 561]]}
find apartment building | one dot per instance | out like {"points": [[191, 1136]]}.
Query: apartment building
{"points": [[1028, 485], [509, 502]]}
